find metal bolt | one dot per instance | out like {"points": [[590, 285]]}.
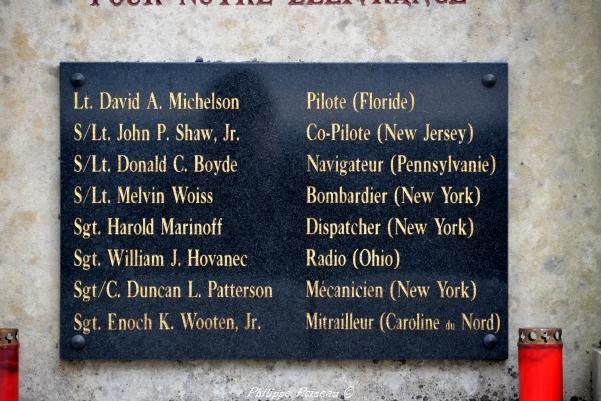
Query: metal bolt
{"points": [[489, 80], [532, 336], [78, 341], [490, 341], [78, 79]]}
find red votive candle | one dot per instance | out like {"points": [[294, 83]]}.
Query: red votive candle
{"points": [[9, 365], [540, 364]]}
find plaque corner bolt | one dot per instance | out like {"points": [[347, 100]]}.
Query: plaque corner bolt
{"points": [[78, 342], [489, 341], [78, 79], [489, 80]]}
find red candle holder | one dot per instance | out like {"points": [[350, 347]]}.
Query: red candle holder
{"points": [[540, 364], [9, 365]]}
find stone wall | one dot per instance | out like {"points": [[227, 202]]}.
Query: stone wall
{"points": [[553, 48]]}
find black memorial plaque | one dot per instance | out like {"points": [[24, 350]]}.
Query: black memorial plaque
{"points": [[313, 211]]}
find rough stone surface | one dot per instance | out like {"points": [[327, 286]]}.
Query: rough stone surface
{"points": [[554, 50]]}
